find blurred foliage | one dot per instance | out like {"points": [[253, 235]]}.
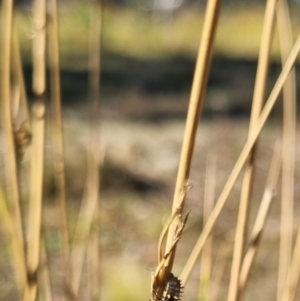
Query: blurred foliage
{"points": [[136, 32]]}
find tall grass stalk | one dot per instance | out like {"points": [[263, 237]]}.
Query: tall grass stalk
{"points": [[241, 161], [35, 198], [261, 217], [257, 104], [94, 94], [19, 78], [219, 270], [15, 250], [206, 258], [288, 155], [37, 148], [290, 287], [11, 169], [44, 275], [57, 126], [195, 106], [84, 223], [94, 261]]}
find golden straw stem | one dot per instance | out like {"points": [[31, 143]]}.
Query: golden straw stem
{"points": [[11, 170], [19, 76], [208, 204], [260, 221], [15, 249], [288, 152], [35, 198], [83, 226], [37, 148], [94, 90], [258, 98], [241, 161], [57, 127], [195, 106], [44, 275], [290, 288]]}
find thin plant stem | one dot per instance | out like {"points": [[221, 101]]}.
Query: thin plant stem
{"points": [[15, 249], [94, 94], [35, 198], [241, 161], [290, 287], [288, 152], [257, 103], [195, 107], [11, 169], [45, 293], [19, 78], [260, 221], [206, 259], [57, 127], [84, 223], [37, 148]]}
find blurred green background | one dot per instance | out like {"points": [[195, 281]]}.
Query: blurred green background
{"points": [[147, 61]]}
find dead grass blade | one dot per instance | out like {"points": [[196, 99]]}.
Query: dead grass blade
{"points": [[57, 127], [257, 104], [84, 223], [94, 263], [290, 287], [35, 198], [19, 79], [95, 59], [288, 156], [37, 148], [11, 169], [156, 288], [15, 249], [44, 275], [218, 272], [260, 219], [39, 47], [195, 106], [241, 161], [94, 94], [208, 204]]}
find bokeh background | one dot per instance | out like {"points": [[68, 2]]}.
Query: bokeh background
{"points": [[148, 54]]}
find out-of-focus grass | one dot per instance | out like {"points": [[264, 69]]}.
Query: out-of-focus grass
{"points": [[138, 33]]}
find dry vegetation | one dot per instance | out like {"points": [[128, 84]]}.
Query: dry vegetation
{"points": [[233, 224]]}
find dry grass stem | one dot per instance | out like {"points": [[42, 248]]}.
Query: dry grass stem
{"points": [[288, 156], [259, 223], [45, 293], [290, 287], [174, 217], [206, 258], [19, 79], [15, 249], [95, 59], [11, 169], [257, 103], [157, 288], [57, 126], [94, 94], [218, 273], [37, 148], [241, 161], [94, 264], [195, 105], [35, 197], [39, 47], [84, 223]]}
